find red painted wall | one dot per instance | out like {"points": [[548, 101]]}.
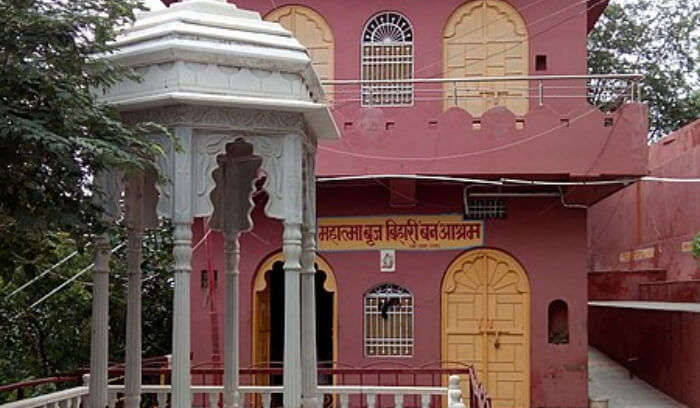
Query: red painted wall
{"points": [[666, 345], [659, 216], [674, 291], [653, 215], [547, 239], [426, 139], [621, 285]]}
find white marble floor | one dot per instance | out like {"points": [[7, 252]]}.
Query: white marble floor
{"points": [[608, 379]]}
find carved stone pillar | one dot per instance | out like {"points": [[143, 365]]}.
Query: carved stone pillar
{"points": [[292, 330], [309, 374], [234, 177], [109, 183], [232, 252], [134, 217], [100, 324], [182, 252], [309, 356]]}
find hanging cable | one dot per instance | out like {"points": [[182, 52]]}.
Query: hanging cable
{"points": [[64, 284], [41, 275]]}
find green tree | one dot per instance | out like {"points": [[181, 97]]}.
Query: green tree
{"points": [[658, 39], [54, 135], [53, 337], [54, 138]]}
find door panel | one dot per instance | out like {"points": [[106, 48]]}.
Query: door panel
{"points": [[485, 303], [498, 46]]}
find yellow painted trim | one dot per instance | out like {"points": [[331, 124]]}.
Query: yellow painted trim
{"points": [[448, 286], [260, 284], [328, 38]]}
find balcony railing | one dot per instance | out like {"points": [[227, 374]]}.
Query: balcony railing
{"points": [[343, 394], [606, 91]]}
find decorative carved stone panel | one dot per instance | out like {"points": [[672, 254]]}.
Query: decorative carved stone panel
{"points": [[211, 145]]}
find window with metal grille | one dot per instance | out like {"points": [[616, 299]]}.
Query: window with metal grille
{"points": [[388, 321], [387, 54], [484, 209]]}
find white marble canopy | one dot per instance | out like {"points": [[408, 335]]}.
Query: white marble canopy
{"points": [[242, 100], [222, 73]]}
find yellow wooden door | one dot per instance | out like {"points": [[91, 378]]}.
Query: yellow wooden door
{"points": [[261, 348], [486, 38], [485, 322]]}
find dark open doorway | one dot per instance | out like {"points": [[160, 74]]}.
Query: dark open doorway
{"points": [[324, 323]]}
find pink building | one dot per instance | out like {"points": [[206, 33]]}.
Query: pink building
{"points": [[436, 247]]}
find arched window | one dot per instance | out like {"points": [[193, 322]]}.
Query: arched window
{"points": [[558, 322], [486, 38], [388, 321], [387, 54], [312, 31]]}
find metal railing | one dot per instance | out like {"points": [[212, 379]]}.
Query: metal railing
{"points": [[604, 90], [353, 387]]}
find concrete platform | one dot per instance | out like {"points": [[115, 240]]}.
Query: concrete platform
{"points": [[608, 379], [661, 306]]}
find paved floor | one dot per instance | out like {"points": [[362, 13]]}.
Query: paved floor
{"points": [[608, 379]]}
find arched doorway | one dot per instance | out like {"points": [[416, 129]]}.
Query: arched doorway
{"points": [[486, 323], [268, 316]]}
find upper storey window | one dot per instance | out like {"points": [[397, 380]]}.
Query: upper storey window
{"points": [[387, 55], [486, 38], [312, 31]]}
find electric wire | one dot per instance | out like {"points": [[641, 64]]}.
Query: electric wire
{"points": [[459, 155], [76, 276], [42, 274], [64, 284], [505, 50]]}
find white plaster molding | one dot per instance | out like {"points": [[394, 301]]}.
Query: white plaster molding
{"points": [[269, 148], [292, 184], [204, 31], [193, 81], [204, 52], [164, 186], [266, 131], [234, 180], [213, 117]]}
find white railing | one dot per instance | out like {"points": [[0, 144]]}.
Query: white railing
{"points": [[70, 398], [211, 396]]}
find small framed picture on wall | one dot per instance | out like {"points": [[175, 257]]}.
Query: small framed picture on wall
{"points": [[387, 260]]}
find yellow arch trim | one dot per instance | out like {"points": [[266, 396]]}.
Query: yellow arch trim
{"points": [[320, 23], [260, 284], [448, 286]]}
